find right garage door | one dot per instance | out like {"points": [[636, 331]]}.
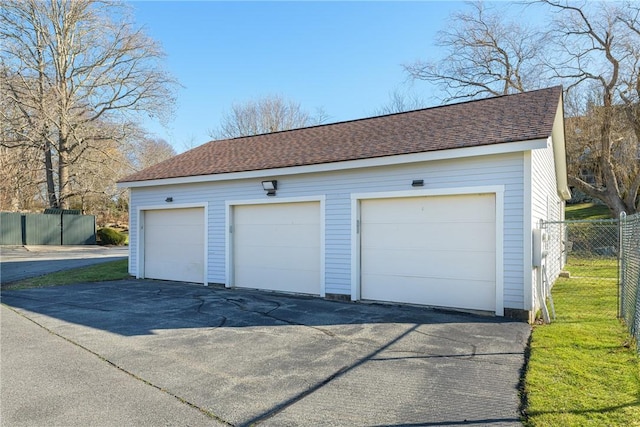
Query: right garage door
{"points": [[431, 250]]}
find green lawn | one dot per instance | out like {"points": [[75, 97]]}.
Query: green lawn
{"points": [[586, 211], [113, 270], [583, 370]]}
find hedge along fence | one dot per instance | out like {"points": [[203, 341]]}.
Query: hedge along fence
{"points": [[58, 228]]}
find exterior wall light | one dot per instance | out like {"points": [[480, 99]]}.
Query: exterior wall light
{"points": [[417, 183], [270, 187], [169, 199]]}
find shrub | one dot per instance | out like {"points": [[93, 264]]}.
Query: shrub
{"points": [[109, 236]]}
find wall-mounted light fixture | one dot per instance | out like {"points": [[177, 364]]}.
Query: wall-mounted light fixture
{"points": [[169, 199], [270, 187], [417, 183]]}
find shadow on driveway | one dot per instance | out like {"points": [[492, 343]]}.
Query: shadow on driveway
{"points": [[141, 307], [252, 357]]}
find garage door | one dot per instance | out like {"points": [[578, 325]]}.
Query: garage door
{"points": [[436, 250], [277, 247], [174, 244]]}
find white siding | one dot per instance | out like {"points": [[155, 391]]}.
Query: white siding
{"points": [[506, 169], [546, 205]]}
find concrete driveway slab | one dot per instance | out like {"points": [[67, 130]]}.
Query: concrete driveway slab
{"points": [[252, 357]]}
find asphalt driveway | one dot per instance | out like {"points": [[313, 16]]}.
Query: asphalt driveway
{"points": [[23, 262], [179, 354]]}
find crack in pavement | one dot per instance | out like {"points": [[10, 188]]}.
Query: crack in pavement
{"points": [[121, 369]]}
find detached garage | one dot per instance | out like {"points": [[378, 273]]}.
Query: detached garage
{"points": [[434, 207]]}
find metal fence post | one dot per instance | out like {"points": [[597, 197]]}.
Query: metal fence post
{"points": [[621, 260]]}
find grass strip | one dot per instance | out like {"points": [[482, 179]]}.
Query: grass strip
{"points": [[583, 369], [587, 211], [111, 270]]}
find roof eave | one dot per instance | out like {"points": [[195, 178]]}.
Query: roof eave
{"points": [[492, 149], [559, 152]]}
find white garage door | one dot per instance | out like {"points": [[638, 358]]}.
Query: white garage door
{"points": [[436, 250], [277, 247], [174, 244]]}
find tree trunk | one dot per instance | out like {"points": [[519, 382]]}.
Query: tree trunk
{"points": [[64, 186], [48, 167], [63, 179]]}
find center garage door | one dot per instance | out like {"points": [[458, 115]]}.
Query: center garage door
{"points": [[432, 250], [277, 247], [174, 244]]}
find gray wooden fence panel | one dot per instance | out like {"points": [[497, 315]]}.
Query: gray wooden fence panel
{"points": [[10, 228], [79, 230]]}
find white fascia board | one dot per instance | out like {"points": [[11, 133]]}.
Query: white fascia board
{"points": [[456, 153], [527, 222], [559, 152]]}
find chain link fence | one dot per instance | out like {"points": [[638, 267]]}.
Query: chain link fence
{"points": [[602, 259], [630, 273]]}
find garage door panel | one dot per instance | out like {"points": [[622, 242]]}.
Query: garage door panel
{"points": [[277, 247], [442, 264], [170, 217], [279, 235], [271, 214], [453, 209], [478, 295], [174, 244], [443, 237], [180, 235], [283, 280], [433, 250], [266, 257]]}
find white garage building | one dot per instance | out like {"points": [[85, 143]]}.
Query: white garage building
{"points": [[433, 207]]}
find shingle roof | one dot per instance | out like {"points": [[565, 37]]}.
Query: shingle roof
{"points": [[519, 117]]}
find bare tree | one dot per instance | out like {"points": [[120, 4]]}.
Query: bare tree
{"points": [[19, 184], [69, 67], [401, 101], [93, 178], [269, 114], [147, 152], [593, 49], [487, 55], [599, 44]]}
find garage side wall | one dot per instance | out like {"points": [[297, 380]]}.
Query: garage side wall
{"points": [[506, 170], [546, 205]]}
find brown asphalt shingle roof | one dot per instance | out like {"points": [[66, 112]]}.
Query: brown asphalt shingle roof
{"points": [[509, 118]]}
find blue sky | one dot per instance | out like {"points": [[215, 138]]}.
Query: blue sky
{"points": [[343, 57]]}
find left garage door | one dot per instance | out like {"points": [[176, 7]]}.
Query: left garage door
{"points": [[277, 247], [174, 244]]}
